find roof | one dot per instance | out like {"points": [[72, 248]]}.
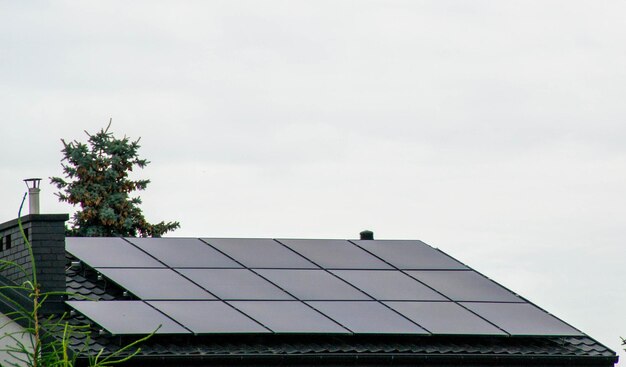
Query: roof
{"points": [[300, 302]]}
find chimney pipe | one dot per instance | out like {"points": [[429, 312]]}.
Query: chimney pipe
{"points": [[33, 194], [367, 235]]}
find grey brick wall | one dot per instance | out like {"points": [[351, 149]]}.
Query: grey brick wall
{"points": [[46, 233]]}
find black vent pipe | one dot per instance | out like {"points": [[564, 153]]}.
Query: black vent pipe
{"points": [[367, 235]]}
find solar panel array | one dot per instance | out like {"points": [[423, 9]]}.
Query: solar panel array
{"points": [[211, 285]]}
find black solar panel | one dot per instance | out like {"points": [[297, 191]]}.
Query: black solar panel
{"points": [[335, 254], [465, 285], [150, 284], [288, 317], [521, 319], [127, 317], [368, 317], [109, 252], [184, 252], [313, 284], [260, 253], [410, 254], [203, 317], [445, 318], [389, 285], [210, 285], [235, 284]]}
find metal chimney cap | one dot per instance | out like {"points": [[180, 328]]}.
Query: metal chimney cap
{"points": [[33, 194], [33, 183], [367, 235]]}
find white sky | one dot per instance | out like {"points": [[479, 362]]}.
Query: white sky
{"points": [[493, 130]]}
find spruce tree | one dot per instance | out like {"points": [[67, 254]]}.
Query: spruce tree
{"points": [[96, 178]]}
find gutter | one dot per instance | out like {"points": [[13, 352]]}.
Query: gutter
{"points": [[371, 359]]}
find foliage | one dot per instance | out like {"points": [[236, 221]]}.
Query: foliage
{"points": [[98, 180], [44, 341]]}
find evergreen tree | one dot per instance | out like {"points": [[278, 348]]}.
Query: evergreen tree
{"points": [[97, 180]]}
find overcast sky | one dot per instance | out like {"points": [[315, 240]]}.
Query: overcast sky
{"points": [[494, 130]]}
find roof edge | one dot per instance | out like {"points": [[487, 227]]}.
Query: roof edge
{"points": [[397, 359]]}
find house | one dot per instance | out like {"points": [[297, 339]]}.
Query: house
{"points": [[296, 302]]}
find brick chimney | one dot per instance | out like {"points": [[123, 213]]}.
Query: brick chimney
{"points": [[46, 233]]}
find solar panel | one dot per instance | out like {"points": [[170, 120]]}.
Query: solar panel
{"points": [[260, 253], [235, 284], [184, 252], [127, 317], [388, 285], [288, 317], [202, 317], [410, 254], [465, 286], [522, 319], [335, 254], [367, 317], [150, 284], [445, 318], [312, 284], [262, 285], [109, 251]]}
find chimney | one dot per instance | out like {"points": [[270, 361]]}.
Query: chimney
{"points": [[367, 235], [33, 194], [46, 234]]}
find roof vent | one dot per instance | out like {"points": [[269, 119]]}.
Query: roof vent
{"points": [[33, 194], [367, 235]]}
